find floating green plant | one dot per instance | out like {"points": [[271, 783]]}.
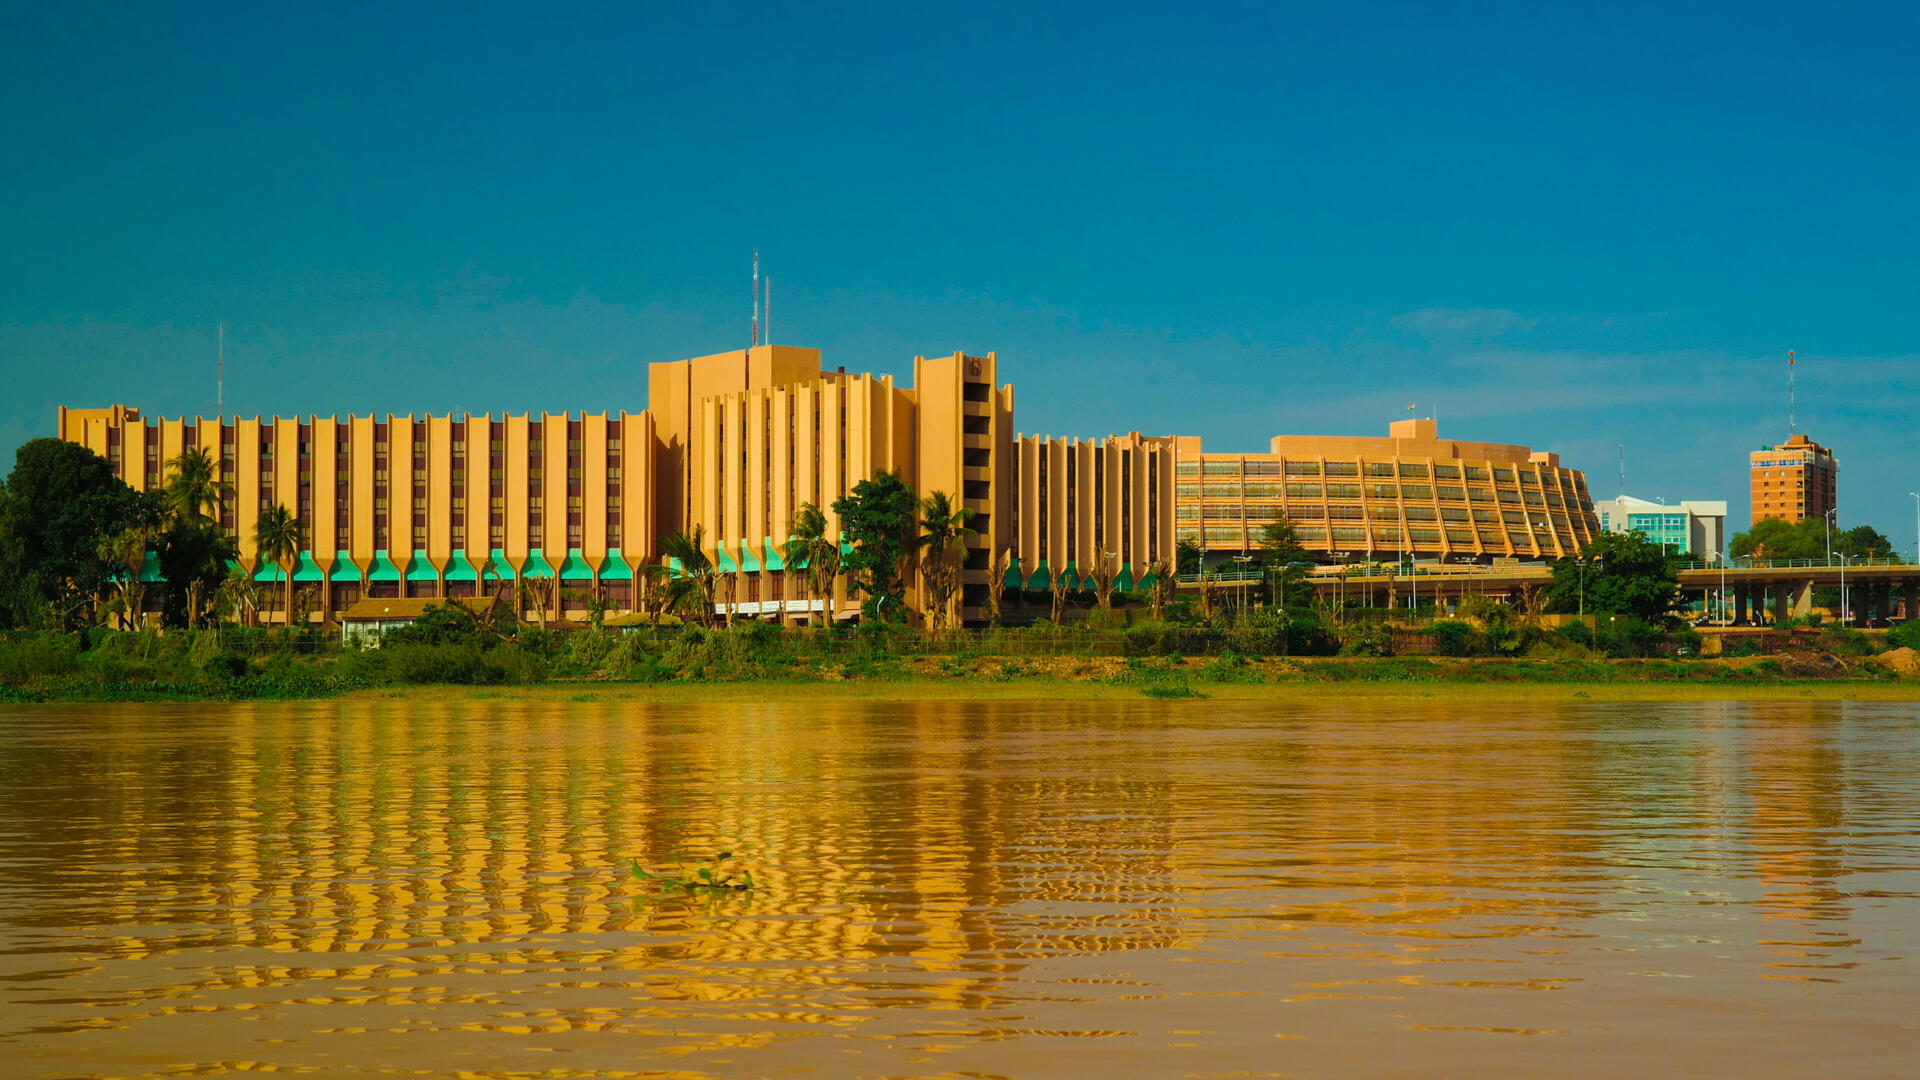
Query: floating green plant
{"points": [[703, 877]]}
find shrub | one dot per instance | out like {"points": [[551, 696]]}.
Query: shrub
{"points": [[1906, 635], [225, 665], [1453, 638], [459, 664], [36, 656]]}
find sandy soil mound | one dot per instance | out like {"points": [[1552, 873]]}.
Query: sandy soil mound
{"points": [[1904, 661]]}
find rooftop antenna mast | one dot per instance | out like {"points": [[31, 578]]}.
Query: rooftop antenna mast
{"points": [[769, 309], [1790, 425], [220, 377], [756, 296]]}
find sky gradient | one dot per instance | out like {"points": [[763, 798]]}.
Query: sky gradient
{"points": [[1576, 230]]}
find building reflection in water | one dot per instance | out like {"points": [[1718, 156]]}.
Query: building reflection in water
{"points": [[384, 869]]}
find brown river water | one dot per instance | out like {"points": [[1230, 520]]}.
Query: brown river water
{"points": [[1006, 889]]}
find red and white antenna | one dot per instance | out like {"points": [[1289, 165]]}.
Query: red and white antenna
{"points": [[769, 309], [756, 296], [1790, 427]]}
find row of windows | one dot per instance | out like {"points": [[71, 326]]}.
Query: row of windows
{"points": [[1442, 493], [1409, 469], [1360, 537]]}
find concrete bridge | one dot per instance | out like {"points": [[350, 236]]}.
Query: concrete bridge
{"points": [[1751, 592]]}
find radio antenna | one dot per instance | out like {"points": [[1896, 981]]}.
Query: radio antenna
{"points": [[220, 377], [756, 296]]}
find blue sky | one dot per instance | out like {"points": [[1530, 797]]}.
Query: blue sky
{"points": [[1574, 228]]}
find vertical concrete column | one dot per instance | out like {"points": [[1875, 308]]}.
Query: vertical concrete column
{"points": [[1859, 596], [1803, 599], [1780, 615], [1739, 605], [1883, 601], [1913, 598]]}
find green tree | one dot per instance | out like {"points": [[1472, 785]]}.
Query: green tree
{"points": [[1186, 557], [126, 551], [879, 519], [1618, 574], [1286, 564], [1808, 538], [193, 559], [943, 545], [194, 489], [276, 537], [58, 509], [1862, 542], [690, 590], [811, 547]]}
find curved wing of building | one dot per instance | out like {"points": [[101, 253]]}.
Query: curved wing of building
{"points": [[1370, 498]]}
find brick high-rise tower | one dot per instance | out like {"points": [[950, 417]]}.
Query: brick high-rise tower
{"points": [[1797, 479]]}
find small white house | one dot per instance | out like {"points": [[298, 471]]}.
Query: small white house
{"points": [[366, 620]]}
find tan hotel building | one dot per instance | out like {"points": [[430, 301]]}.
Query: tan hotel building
{"points": [[735, 443]]}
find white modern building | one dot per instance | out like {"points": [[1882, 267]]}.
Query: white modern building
{"points": [[1693, 528]]}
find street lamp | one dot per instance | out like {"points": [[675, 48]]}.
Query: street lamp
{"points": [[1406, 542], [1340, 588], [1916, 525], [1843, 590]]}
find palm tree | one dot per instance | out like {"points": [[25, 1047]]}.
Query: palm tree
{"points": [[998, 586], [240, 594], [809, 545], [1057, 590], [943, 536], [194, 490], [127, 550], [691, 590], [1162, 572], [650, 591], [1105, 571], [276, 536]]}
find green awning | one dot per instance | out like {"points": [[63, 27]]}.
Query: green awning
{"points": [[574, 566], [344, 568], [537, 565], [1148, 581], [725, 563], [420, 568], [458, 568], [1124, 580], [774, 561], [673, 564], [150, 570], [1071, 575], [748, 560], [1040, 579], [383, 568], [1013, 580], [616, 568]]}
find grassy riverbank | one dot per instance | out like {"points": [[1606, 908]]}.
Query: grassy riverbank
{"points": [[763, 664], [913, 690]]}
